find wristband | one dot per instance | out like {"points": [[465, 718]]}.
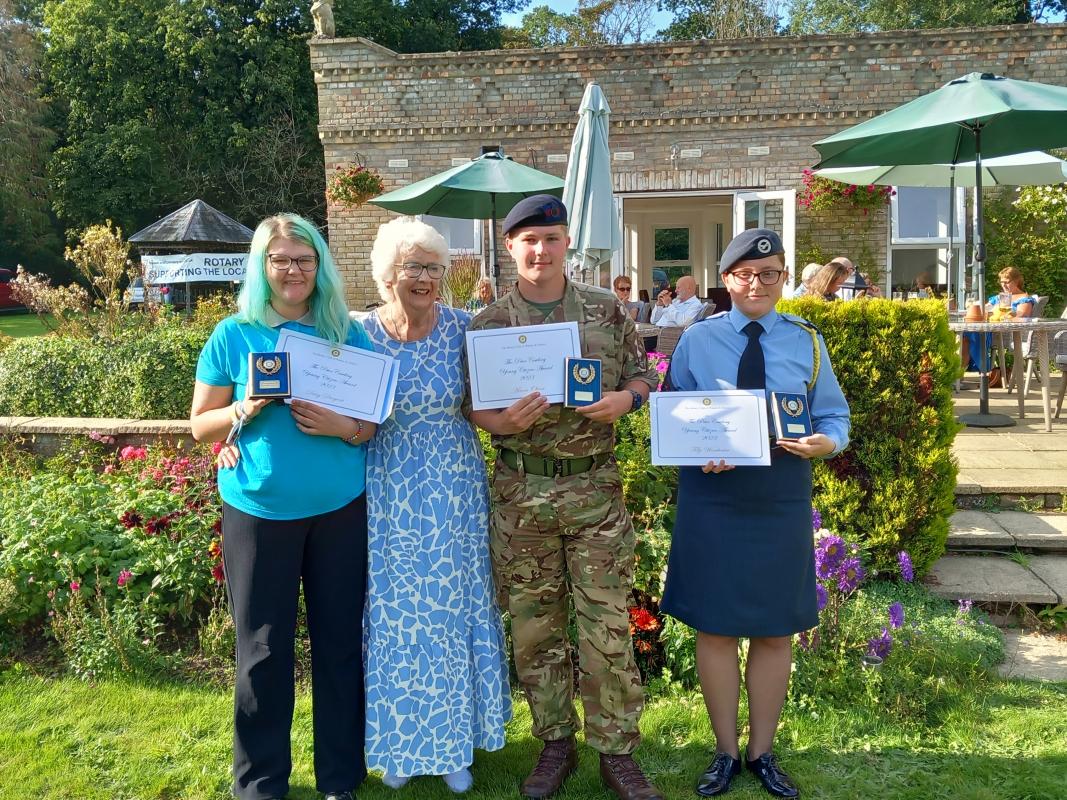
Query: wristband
{"points": [[359, 432]]}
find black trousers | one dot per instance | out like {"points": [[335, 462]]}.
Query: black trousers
{"points": [[265, 561]]}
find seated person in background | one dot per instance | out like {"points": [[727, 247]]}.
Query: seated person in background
{"points": [[1022, 306], [923, 285], [828, 280], [872, 290], [682, 310], [643, 296], [623, 289], [805, 278]]}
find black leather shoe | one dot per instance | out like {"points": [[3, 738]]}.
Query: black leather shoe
{"points": [[339, 796], [773, 777], [716, 778]]}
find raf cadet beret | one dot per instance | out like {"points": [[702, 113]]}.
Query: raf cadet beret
{"points": [[540, 209], [750, 244]]}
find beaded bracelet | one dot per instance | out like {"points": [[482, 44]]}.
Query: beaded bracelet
{"points": [[359, 432]]}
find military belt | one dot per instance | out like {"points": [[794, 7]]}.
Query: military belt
{"points": [[552, 467]]}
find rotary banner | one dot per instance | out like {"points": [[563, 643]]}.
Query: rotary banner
{"points": [[194, 267]]}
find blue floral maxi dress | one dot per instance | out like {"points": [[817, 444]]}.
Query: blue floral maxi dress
{"points": [[436, 672]]}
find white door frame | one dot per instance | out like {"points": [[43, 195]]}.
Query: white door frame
{"points": [[789, 223]]}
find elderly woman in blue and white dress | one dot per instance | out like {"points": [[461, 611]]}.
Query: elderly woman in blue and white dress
{"points": [[436, 670]]}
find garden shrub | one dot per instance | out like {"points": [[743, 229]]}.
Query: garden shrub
{"points": [[893, 488], [139, 373]]}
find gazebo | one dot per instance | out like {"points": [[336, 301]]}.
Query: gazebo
{"points": [[195, 244]]}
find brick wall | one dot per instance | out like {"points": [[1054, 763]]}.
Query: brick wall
{"points": [[721, 97]]}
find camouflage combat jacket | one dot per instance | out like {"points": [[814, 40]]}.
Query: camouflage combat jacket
{"points": [[606, 332]]}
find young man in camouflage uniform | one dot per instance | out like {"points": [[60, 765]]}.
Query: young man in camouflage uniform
{"points": [[559, 529]]}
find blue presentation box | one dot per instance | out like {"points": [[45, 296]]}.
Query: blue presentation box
{"points": [[789, 412], [583, 382], [268, 376]]}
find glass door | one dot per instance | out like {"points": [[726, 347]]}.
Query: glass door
{"points": [[775, 210]]}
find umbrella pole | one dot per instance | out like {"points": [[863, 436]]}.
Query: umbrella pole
{"points": [[951, 230], [983, 419], [494, 268]]}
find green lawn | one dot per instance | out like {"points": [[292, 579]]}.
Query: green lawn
{"points": [[19, 325], [64, 739]]}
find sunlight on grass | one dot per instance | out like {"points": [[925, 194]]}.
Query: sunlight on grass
{"points": [[67, 739], [20, 325]]}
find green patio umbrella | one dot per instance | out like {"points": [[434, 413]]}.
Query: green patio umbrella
{"points": [[588, 193], [483, 188], [978, 115], [1022, 169]]}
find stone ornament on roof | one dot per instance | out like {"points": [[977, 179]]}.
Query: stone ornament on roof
{"points": [[322, 14]]}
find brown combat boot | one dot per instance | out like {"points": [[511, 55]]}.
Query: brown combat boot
{"points": [[558, 759], [624, 776]]}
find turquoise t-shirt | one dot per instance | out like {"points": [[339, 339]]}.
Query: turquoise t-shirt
{"points": [[282, 473]]}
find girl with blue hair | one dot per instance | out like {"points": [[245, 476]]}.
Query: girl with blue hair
{"points": [[293, 511]]}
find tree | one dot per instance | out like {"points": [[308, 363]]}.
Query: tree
{"points": [[417, 26], [593, 23], [846, 16], [721, 19], [27, 232]]}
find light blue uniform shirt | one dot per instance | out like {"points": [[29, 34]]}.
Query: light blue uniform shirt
{"points": [[282, 473], [708, 353]]}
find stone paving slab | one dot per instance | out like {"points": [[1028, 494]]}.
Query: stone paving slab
{"points": [[1053, 571], [987, 579], [998, 480], [978, 529], [1036, 531], [1034, 657]]}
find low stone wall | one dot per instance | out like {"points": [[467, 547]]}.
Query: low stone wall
{"points": [[45, 435]]}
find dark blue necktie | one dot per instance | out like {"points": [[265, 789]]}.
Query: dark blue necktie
{"points": [[751, 369]]}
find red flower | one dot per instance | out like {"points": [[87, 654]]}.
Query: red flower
{"points": [[156, 525], [643, 620], [130, 519], [217, 572]]}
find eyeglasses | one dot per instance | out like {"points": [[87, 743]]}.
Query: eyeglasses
{"points": [[283, 263], [623, 288], [413, 269], [768, 277]]}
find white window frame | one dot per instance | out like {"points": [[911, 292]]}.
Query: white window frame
{"points": [[789, 223], [926, 241], [476, 225]]}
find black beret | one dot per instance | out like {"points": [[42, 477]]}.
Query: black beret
{"points": [[540, 209], [750, 244]]}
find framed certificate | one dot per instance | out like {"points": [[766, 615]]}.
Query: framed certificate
{"points": [[693, 428], [507, 364], [349, 380]]}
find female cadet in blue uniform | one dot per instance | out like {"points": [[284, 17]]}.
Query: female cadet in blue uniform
{"points": [[742, 560]]}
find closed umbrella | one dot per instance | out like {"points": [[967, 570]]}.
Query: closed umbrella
{"points": [[978, 116], [483, 188], [1022, 169], [588, 192]]}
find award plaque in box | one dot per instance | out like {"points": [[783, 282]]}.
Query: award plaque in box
{"points": [[268, 376], [790, 414], [583, 382]]}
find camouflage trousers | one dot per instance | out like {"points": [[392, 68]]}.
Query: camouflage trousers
{"points": [[557, 541]]}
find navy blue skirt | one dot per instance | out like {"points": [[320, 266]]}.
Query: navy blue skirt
{"points": [[742, 559]]}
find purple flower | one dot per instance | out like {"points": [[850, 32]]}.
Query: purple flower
{"points": [[821, 596], [906, 570], [896, 615], [816, 519], [808, 640], [829, 553], [880, 645], [964, 607], [850, 575]]}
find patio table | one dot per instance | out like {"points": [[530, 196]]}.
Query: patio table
{"points": [[1041, 329]]}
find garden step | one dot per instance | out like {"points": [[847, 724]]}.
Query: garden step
{"points": [[998, 579], [1034, 656], [1008, 530]]}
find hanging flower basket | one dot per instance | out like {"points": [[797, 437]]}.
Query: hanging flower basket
{"points": [[353, 186], [823, 194]]}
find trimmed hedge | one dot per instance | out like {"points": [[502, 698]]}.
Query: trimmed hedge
{"points": [[137, 375]]}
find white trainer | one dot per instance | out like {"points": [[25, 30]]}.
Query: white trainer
{"points": [[394, 781], [460, 781]]}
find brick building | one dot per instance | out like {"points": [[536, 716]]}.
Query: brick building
{"points": [[706, 136]]}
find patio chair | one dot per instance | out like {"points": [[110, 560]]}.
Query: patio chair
{"points": [[1002, 345], [1058, 356], [1030, 356], [644, 311], [705, 311], [668, 339]]}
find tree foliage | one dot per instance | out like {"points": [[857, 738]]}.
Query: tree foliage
{"points": [[425, 26], [721, 19], [846, 16], [26, 229], [592, 23]]}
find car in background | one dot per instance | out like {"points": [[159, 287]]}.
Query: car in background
{"points": [[7, 302]]}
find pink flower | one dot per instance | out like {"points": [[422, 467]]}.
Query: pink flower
{"points": [[109, 469], [131, 453], [216, 448], [75, 586], [124, 577]]}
